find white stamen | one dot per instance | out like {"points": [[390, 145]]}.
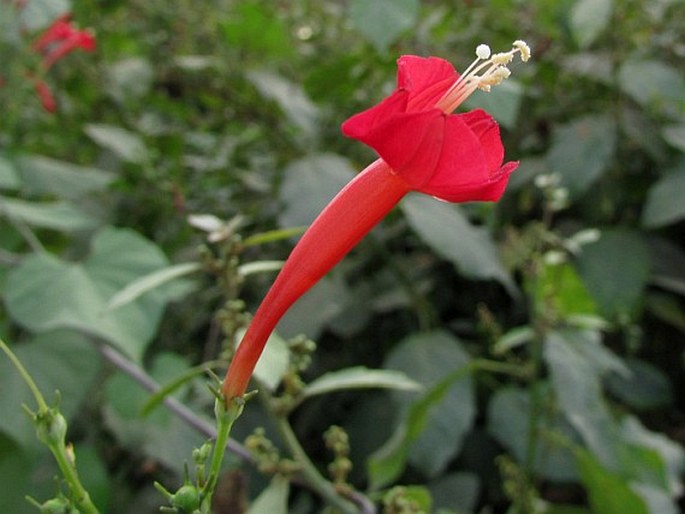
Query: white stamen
{"points": [[486, 71]]}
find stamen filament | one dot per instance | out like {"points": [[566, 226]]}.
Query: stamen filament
{"points": [[483, 73]]}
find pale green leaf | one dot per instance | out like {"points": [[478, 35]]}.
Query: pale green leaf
{"points": [[58, 215], [126, 145], [360, 378], [42, 175], [654, 84], [589, 18], [309, 184], [9, 179], [38, 14], [383, 21], [502, 103], [675, 135], [444, 228], [146, 283]]}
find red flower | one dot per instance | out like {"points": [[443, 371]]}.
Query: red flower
{"points": [[422, 147], [61, 38], [455, 157]]}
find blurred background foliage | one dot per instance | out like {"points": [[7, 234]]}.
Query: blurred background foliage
{"points": [[548, 330]]}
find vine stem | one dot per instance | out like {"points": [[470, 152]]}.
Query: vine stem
{"points": [[149, 384], [49, 418], [313, 478]]}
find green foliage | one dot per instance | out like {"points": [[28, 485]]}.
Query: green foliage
{"points": [[456, 341]]}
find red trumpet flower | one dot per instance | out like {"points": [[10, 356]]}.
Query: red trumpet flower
{"points": [[422, 147]]}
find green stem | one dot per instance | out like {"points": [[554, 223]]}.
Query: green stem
{"points": [[79, 493], [42, 405], [313, 478], [225, 417], [56, 445]]}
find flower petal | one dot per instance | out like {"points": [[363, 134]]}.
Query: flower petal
{"points": [[487, 130], [361, 124], [411, 143], [425, 78]]}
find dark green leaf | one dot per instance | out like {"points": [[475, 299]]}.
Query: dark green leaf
{"points": [[582, 151], [436, 423], [645, 387], [615, 270], [665, 203]]}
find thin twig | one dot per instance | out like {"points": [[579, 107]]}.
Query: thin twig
{"points": [[149, 384]]}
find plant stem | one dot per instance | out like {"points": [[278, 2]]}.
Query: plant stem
{"points": [[313, 478], [225, 417], [66, 466]]}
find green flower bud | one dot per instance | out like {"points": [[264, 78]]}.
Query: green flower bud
{"points": [[187, 499], [51, 427]]}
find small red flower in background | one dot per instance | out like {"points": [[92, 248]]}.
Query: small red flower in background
{"points": [[61, 38], [423, 147], [45, 95]]}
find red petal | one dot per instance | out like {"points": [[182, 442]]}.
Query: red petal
{"points": [[486, 130], [359, 125], [425, 78]]}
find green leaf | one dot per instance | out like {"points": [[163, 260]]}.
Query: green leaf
{"points": [[615, 270], [360, 377], [589, 18], [273, 499], [653, 84], [434, 425], [446, 230], [9, 179], [608, 492], [45, 293], [577, 360], [645, 387], [458, 491], [256, 27], [665, 203], [53, 215], [146, 283], [381, 22], [60, 360], [42, 175], [582, 151], [290, 97], [126, 145], [309, 184], [508, 421], [560, 287], [675, 136], [161, 435], [513, 339]]}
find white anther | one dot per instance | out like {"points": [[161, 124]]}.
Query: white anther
{"points": [[483, 51], [523, 49]]}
